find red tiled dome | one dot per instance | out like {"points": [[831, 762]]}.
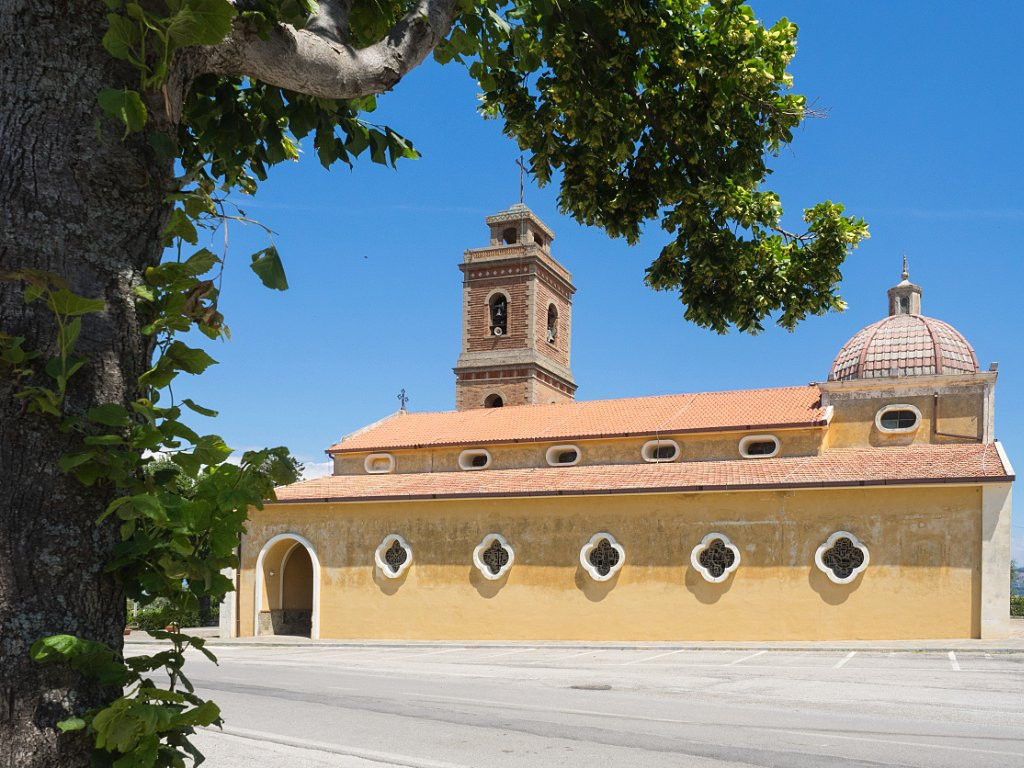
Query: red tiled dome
{"points": [[904, 345]]}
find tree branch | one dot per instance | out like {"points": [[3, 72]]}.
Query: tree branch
{"points": [[310, 61], [332, 20]]}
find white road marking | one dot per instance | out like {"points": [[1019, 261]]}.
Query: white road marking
{"points": [[505, 705], [389, 758], [846, 658], [507, 653], [651, 658], [562, 658], [431, 653], [745, 658], [953, 662]]}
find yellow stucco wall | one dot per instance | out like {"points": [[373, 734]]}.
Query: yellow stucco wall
{"points": [[853, 422], [923, 578], [693, 447]]}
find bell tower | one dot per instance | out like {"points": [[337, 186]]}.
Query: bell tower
{"points": [[516, 317]]}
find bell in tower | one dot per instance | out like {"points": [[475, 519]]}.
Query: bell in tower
{"points": [[516, 317]]}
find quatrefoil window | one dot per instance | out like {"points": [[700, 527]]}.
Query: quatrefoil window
{"points": [[393, 556], [602, 556], [842, 557], [715, 557], [493, 556]]}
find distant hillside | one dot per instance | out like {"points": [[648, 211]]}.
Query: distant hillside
{"points": [[1017, 582]]}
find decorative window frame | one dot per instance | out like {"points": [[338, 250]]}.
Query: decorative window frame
{"points": [[898, 430], [646, 452], [382, 564], [551, 454], [482, 566], [746, 441], [372, 457], [827, 545], [466, 458], [589, 547], [704, 544]]}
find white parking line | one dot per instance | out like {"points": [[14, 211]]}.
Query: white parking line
{"points": [[745, 658], [651, 658], [507, 653], [559, 659], [431, 653], [953, 662], [846, 658]]}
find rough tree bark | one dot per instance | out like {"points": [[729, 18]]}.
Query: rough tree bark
{"points": [[77, 201]]}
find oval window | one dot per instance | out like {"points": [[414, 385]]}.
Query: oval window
{"points": [[379, 463], [759, 446], [898, 418], [660, 450], [563, 455], [474, 458]]}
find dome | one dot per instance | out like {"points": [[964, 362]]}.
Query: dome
{"points": [[904, 345]]}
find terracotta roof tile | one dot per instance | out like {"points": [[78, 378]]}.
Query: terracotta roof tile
{"points": [[904, 345], [707, 411], [841, 467]]}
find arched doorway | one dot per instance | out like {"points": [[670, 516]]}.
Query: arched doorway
{"points": [[287, 588]]}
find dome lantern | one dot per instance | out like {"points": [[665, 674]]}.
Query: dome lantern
{"points": [[905, 297]]}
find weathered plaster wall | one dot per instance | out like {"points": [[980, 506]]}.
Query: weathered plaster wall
{"points": [[693, 447], [853, 421], [924, 579]]}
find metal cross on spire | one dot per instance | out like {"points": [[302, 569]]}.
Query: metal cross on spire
{"points": [[403, 399], [522, 176]]}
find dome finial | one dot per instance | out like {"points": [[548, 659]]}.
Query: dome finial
{"points": [[905, 274]]}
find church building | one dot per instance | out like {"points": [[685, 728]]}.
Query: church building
{"points": [[872, 505]]}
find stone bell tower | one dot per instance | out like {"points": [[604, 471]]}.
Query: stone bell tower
{"points": [[516, 318]]}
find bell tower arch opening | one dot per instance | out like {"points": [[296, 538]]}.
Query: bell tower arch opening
{"points": [[516, 319], [287, 588]]}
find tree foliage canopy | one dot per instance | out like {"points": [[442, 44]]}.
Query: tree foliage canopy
{"points": [[658, 111]]}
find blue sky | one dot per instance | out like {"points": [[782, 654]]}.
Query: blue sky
{"points": [[922, 138]]}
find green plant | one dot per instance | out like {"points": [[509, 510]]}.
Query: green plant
{"points": [[1017, 605]]}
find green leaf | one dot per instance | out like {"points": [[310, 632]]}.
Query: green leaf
{"points": [[211, 450], [188, 359], [124, 105], [109, 414], [201, 262], [201, 22], [71, 724], [64, 302], [198, 408], [68, 336], [181, 226], [69, 461], [122, 37], [267, 264]]}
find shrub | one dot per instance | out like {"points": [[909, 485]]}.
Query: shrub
{"points": [[1017, 605]]}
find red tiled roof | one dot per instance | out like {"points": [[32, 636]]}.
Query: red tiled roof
{"points": [[904, 345], [929, 464], [707, 411]]}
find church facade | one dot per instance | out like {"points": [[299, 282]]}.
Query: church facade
{"points": [[872, 505]]}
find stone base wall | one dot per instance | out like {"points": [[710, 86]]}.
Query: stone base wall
{"points": [[286, 622]]}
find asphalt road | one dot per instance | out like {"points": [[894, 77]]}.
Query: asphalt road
{"points": [[450, 706]]}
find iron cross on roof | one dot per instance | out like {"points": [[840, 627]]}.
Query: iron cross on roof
{"points": [[522, 174], [403, 398]]}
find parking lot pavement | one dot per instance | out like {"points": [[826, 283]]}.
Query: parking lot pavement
{"points": [[462, 706]]}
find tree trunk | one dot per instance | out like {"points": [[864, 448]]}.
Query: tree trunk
{"points": [[77, 201]]}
